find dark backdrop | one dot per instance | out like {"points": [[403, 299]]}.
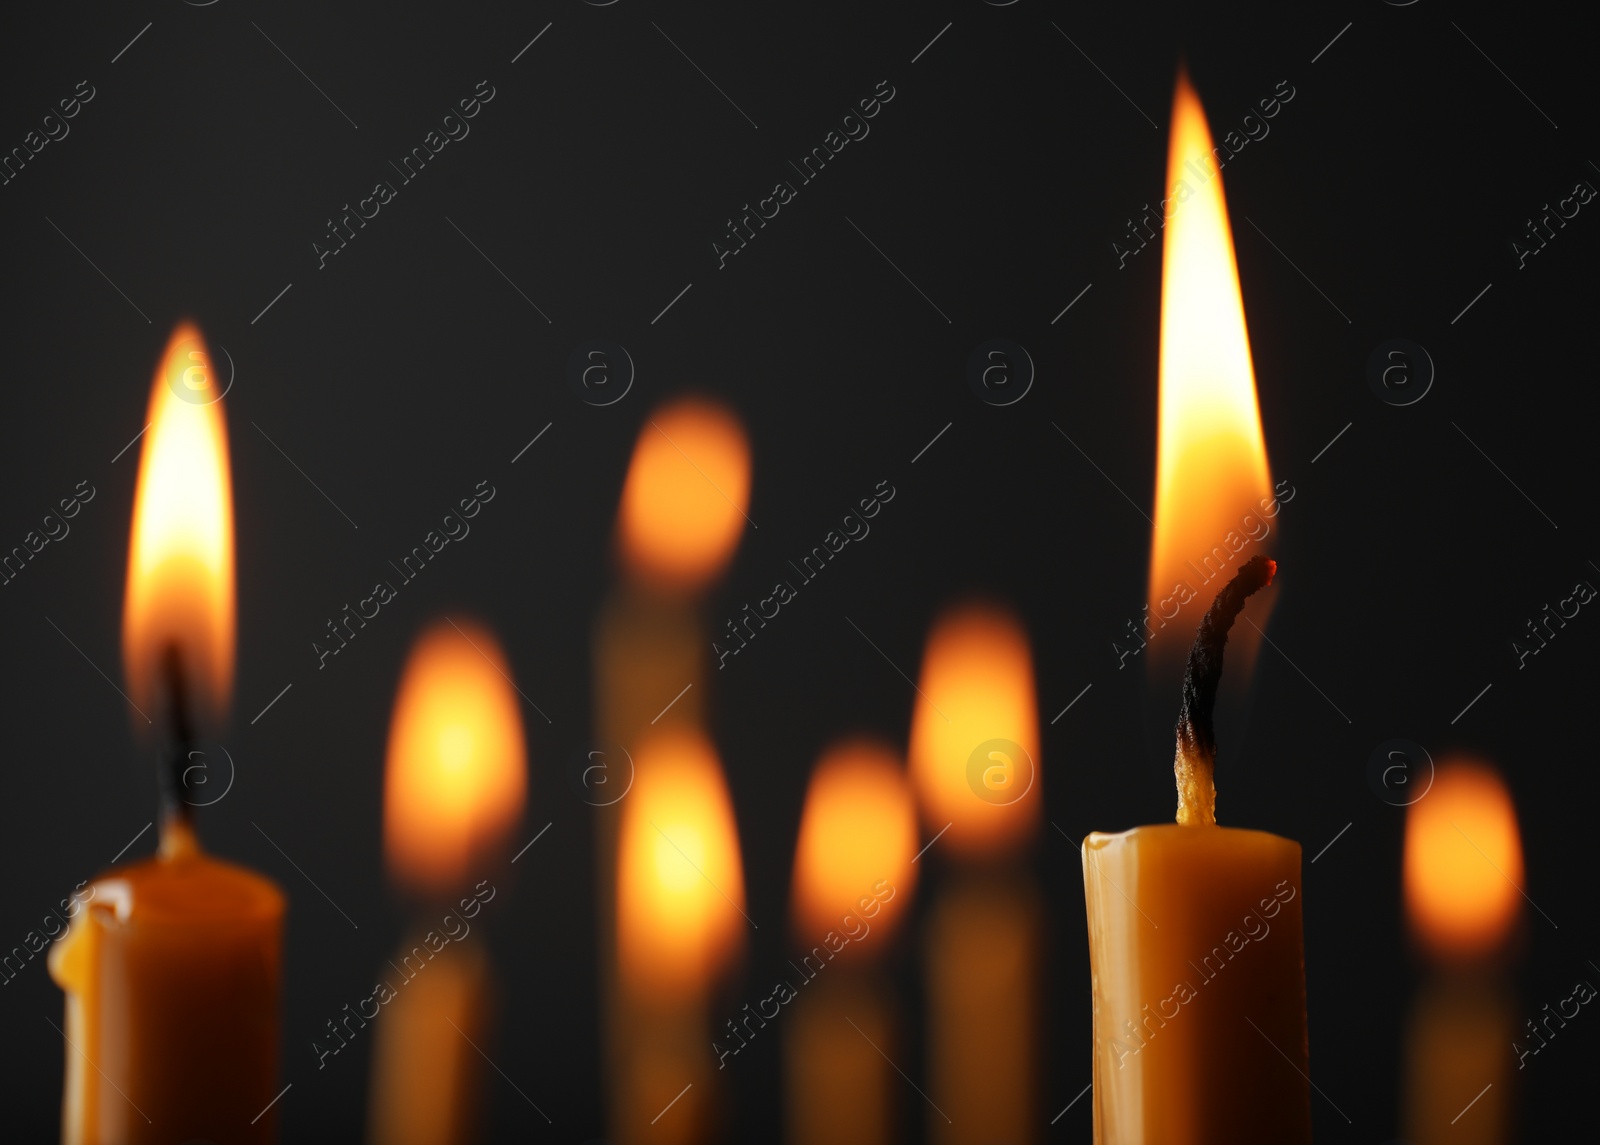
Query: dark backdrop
{"points": [[409, 368]]}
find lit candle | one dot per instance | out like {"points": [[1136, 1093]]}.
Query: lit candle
{"points": [[853, 876], [1195, 951], [1462, 867], [974, 758], [680, 919], [681, 515], [171, 973], [454, 786]]}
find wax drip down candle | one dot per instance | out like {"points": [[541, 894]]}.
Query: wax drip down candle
{"points": [[171, 974], [1196, 953]]}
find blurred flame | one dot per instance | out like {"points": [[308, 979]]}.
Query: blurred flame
{"points": [[1211, 462], [680, 883], [684, 501], [976, 687], [456, 775], [180, 591], [859, 828], [1463, 862]]}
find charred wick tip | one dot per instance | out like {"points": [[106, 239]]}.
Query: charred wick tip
{"points": [[1197, 737]]}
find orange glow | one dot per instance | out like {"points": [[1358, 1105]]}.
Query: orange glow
{"points": [[1211, 461], [1463, 862], [684, 501], [457, 769], [180, 591], [858, 830], [680, 882], [977, 687]]}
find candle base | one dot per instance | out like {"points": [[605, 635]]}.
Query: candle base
{"points": [[1197, 965], [171, 975]]}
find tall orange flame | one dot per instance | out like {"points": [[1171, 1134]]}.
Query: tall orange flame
{"points": [[680, 882], [1213, 484], [180, 589], [686, 493], [456, 775], [975, 732], [858, 831], [1463, 862]]}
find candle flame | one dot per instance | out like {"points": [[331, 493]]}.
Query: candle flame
{"points": [[684, 500], [680, 883], [456, 774], [1463, 862], [858, 830], [975, 731], [180, 589], [1213, 483]]}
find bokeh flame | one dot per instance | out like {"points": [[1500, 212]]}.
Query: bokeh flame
{"points": [[680, 880], [1463, 862], [975, 732], [685, 496], [859, 828], [456, 774], [180, 589]]}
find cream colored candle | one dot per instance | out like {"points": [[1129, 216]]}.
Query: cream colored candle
{"points": [[1196, 952], [1462, 870], [455, 781], [974, 758], [852, 873], [172, 968], [681, 515]]}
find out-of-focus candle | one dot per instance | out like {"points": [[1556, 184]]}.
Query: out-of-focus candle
{"points": [[454, 786], [172, 970], [681, 514], [1462, 869], [974, 760], [858, 834], [680, 919]]}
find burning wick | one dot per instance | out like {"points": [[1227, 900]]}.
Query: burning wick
{"points": [[1196, 758], [173, 777]]}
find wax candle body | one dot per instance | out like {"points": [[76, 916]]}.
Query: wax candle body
{"points": [[839, 1085], [1456, 1057], [171, 976], [1197, 962], [983, 960], [426, 1073]]}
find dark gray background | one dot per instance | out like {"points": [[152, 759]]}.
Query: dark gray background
{"points": [[408, 370]]}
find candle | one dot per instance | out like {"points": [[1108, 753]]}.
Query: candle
{"points": [[1461, 869], [974, 761], [853, 876], [681, 515], [454, 786], [1195, 951], [679, 924], [171, 972]]}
